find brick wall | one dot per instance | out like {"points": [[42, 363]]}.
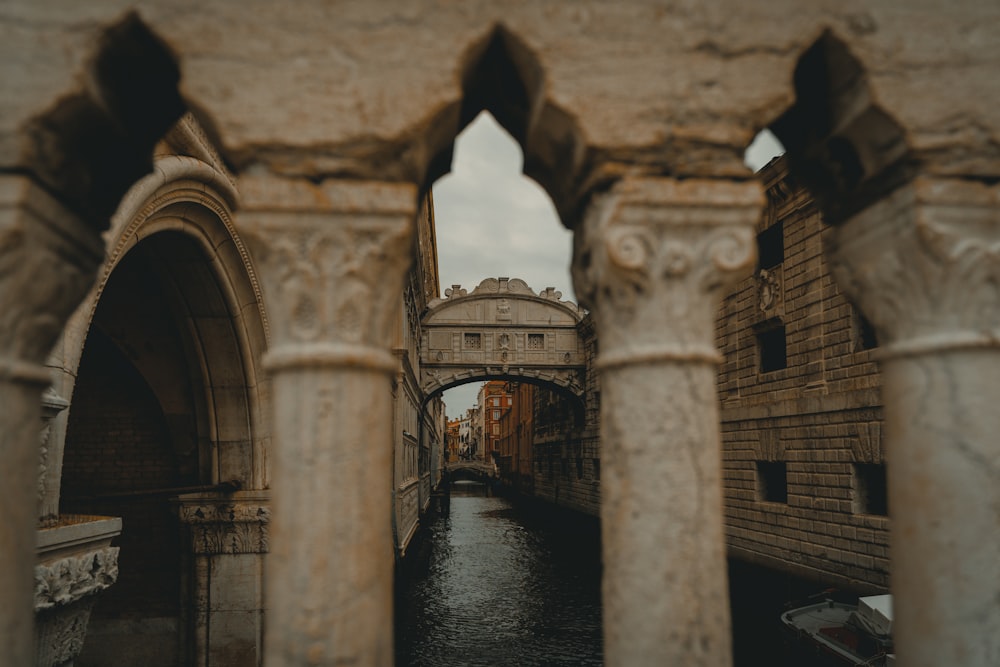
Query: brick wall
{"points": [[802, 442], [117, 441], [567, 469]]}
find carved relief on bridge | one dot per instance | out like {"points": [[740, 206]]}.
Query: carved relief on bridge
{"points": [[501, 329]]}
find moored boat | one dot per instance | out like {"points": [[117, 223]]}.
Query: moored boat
{"points": [[837, 634]]}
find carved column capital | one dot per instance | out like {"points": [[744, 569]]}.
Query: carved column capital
{"points": [[924, 265], [653, 258], [332, 258], [227, 525]]}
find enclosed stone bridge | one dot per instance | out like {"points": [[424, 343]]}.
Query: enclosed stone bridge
{"points": [[501, 330], [476, 471]]}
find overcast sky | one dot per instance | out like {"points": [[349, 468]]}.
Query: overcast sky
{"points": [[493, 221]]}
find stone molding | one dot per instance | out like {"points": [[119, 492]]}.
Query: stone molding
{"points": [[52, 405], [503, 285], [68, 579], [225, 526], [923, 263], [653, 258]]}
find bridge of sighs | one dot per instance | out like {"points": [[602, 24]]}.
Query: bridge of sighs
{"points": [[501, 330]]}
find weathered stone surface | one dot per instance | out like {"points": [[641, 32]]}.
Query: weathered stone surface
{"points": [[332, 258], [652, 260], [377, 90], [924, 264]]}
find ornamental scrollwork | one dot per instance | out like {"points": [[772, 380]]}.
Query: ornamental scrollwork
{"points": [[653, 257]]}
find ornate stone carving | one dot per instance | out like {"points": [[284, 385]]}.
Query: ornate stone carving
{"points": [[924, 264], [770, 299], [61, 633], [653, 258], [457, 331], [332, 259], [502, 285], [223, 527], [69, 579]]}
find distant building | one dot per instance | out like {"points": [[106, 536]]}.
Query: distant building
{"points": [[493, 401], [517, 429]]}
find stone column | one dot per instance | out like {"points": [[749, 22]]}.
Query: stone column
{"points": [[48, 258], [924, 266], [332, 258], [652, 260], [229, 537]]}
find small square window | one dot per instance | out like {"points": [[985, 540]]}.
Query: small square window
{"points": [[473, 341], [772, 349], [771, 246], [536, 341], [870, 489], [864, 333], [772, 481]]}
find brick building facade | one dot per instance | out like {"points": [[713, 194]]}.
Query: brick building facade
{"points": [[804, 469], [801, 411]]}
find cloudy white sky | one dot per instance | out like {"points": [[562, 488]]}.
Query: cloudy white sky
{"points": [[493, 221]]}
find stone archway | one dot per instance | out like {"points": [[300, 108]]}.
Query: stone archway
{"points": [[161, 405], [174, 232]]}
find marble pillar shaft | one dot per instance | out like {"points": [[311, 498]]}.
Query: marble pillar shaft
{"points": [[21, 416], [924, 266], [653, 259], [332, 258], [48, 258]]}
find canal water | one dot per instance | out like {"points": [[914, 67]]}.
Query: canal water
{"points": [[498, 584], [493, 584]]}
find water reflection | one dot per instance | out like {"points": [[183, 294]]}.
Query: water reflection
{"points": [[498, 585]]}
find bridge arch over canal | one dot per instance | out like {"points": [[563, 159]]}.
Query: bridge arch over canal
{"points": [[501, 330]]}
